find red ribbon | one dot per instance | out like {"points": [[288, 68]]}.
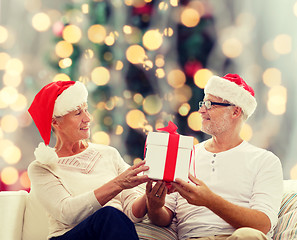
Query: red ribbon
{"points": [[172, 149]]}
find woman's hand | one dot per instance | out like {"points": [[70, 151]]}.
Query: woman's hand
{"points": [[156, 194], [130, 178], [157, 212]]}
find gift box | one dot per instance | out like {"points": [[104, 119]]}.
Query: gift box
{"points": [[168, 155]]}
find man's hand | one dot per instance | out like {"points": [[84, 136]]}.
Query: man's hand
{"points": [[237, 216], [198, 194]]}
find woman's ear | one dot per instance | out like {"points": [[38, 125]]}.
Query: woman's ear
{"points": [[55, 123]]}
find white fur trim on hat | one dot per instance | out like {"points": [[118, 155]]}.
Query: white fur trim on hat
{"points": [[232, 93], [46, 155], [70, 99]]}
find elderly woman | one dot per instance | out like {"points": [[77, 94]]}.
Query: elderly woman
{"points": [[84, 187]]}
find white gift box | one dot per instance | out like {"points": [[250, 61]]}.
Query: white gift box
{"points": [[161, 163]]}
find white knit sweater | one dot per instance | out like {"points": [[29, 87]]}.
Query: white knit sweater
{"points": [[65, 186]]}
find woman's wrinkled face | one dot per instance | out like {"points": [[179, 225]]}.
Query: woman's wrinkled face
{"points": [[75, 125]]}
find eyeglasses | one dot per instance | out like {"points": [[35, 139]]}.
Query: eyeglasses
{"points": [[208, 104]]}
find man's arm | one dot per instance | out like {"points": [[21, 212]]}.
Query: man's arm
{"points": [[157, 212], [236, 216]]}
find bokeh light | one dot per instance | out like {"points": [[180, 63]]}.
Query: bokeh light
{"points": [[11, 154], [277, 100], [190, 17], [3, 104], [184, 109], [160, 62], [152, 104], [4, 57], [65, 63], [88, 53], [4, 144], [119, 65], [283, 44], [137, 160], [160, 73], [272, 77], [232, 47], [41, 22], [101, 137], [136, 119], [127, 29], [295, 9], [72, 33], [64, 49], [9, 175], [12, 80], [24, 180], [268, 51], [14, 66], [135, 54], [3, 34], [176, 78], [168, 32], [9, 95], [163, 6], [246, 132], [119, 130], [110, 39], [195, 121], [61, 77], [97, 33], [9, 123], [138, 98], [85, 8], [20, 104], [201, 77], [100, 76], [174, 3], [152, 39]]}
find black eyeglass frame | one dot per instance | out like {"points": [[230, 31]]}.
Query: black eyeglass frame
{"points": [[208, 104]]}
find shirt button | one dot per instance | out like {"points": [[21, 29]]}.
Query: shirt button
{"points": [[212, 161], [213, 169], [214, 155]]}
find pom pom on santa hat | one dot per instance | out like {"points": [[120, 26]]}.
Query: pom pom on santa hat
{"points": [[56, 99], [233, 89]]}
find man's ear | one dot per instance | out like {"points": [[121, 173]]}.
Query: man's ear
{"points": [[237, 111]]}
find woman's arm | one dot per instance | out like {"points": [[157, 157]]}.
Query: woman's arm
{"points": [[128, 179], [157, 212]]}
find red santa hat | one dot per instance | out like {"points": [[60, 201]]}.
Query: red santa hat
{"points": [[233, 89], [56, 99]]}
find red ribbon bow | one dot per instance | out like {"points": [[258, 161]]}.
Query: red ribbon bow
{"points": [[171, 128], [172, 149]]}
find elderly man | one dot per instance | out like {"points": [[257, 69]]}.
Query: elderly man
{"points": [[237, 190]]}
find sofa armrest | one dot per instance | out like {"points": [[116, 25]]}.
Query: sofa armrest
{"points": [[12, 208]]}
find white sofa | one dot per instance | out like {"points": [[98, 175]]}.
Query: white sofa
{"points": [[23, 218]]}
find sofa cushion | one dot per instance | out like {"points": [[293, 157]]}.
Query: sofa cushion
{"points": [[12, 207], [148, 231], [35, 220], [287, 217]]}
